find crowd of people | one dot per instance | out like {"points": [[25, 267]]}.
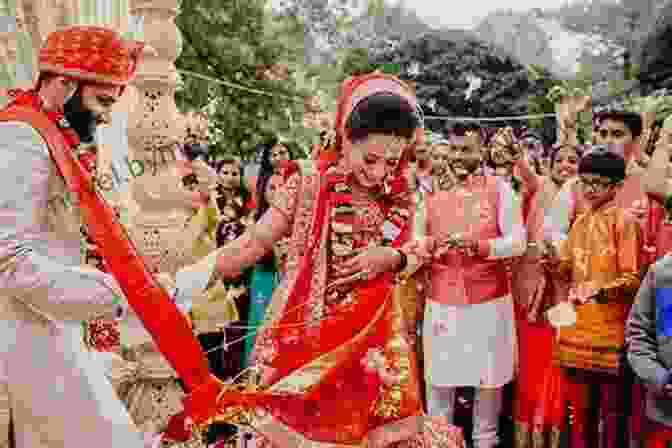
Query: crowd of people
{"points": [[353, 294]]}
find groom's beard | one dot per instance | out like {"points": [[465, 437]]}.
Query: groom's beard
{"points": [[80, 118]]}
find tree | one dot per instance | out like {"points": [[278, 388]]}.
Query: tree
{"points": [[458, 75], [540, 103], [322, 24], [656, 69], [357, 61], [330, 26], [384, 27], [342, 38], [334, 38], [241, 42]]}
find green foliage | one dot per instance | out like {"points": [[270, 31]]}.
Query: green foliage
{"points": [[543, 79], [552, 91], [616, 87], [356, 62], [661, 105], [232, 41], [584, 126], [339, 44], [539, 103], [580, 85]]}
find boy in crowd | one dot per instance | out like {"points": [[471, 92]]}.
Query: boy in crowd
{"points": [[600, 258]]}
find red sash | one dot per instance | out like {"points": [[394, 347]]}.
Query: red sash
{"points": [[159, 314]]}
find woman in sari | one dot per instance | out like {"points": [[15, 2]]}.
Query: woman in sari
{"points": [[264, 276], [219, 316], [335, 354], [539, 402]]}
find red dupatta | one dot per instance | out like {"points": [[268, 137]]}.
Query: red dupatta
{"points": [[293, 336]]}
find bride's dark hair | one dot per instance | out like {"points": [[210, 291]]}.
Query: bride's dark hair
{"points": [[382, 113]]}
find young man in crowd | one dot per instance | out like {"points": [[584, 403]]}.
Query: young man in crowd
{"points": [[52, 394], [622, 129], [469, 333]]}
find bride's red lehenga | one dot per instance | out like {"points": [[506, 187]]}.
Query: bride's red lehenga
{"points": [[339, 364]]}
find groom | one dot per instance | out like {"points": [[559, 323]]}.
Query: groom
{"points": [[52, 394]]}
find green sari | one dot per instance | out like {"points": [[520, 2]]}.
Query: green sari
{"points": [[263, 281]]}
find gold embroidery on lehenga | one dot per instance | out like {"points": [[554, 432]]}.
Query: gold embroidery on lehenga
{"points": [[527, 436], [398, 350]]}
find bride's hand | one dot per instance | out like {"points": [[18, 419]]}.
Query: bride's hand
{"points": [[371, 262]]}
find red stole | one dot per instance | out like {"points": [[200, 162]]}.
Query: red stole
{"points": [[159, 314]]}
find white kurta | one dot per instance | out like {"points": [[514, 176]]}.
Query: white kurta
{"points": [[56, 394], [475, 345]]}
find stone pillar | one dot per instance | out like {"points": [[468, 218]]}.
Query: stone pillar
{"points": [[25, 57], [31, 21], [152, 123], [155, 127]]}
